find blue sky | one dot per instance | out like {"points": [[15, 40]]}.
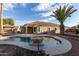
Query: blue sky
{"points": [[29, 12]]}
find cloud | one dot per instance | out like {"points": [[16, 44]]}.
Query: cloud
{"points": [[6, 16], [44, 20], [51, 18], [48, 7], [19, 22], [43, 6], [8, 6], [23, 4], [47, 19], [46, 14]]}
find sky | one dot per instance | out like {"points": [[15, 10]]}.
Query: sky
{"points": [[23, 13]]}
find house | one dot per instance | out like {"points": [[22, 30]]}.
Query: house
{"points": [[17, 29], [73, 29], [39, 27], [7, 27]]}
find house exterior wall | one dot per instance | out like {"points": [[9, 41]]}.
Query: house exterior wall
{"points": [[23, 29], [48, 28], [8, 28], [58, 29], [41, 29]]}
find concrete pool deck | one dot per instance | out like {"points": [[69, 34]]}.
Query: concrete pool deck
{"points": [[51, 49], [4, 37]]}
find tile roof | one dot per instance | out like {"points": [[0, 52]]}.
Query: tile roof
{"points": [[39, 23]]}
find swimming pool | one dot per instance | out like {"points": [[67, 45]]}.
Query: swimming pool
{"points": [[46, 39], [20, 39], [53, 45]]}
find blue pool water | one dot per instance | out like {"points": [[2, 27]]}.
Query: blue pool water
{"points": [[46, 40], [20, 39]]}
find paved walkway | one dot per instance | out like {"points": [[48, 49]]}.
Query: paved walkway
{"points": [[4, 37]]}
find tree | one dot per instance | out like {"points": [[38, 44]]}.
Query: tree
{"points": [[62, 13], [1, 20], [8, 21], [4, 21]]}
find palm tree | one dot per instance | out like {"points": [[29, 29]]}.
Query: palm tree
{"points": [[62, 13]]}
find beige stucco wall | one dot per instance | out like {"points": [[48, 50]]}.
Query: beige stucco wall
{"points": [[45, 28], [58, 29], [7, 28]]}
